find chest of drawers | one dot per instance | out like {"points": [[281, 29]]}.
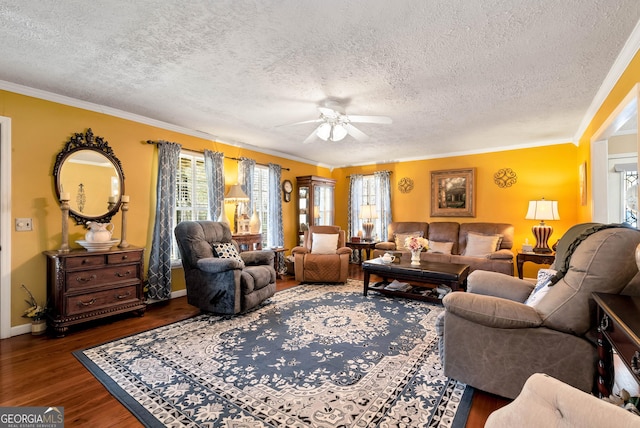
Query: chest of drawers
{"points": [[84, 286]]}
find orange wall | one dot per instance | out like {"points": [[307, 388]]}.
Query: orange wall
{"points": [[550, 172]]}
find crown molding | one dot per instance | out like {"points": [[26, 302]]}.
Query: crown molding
{"points": [[86, 105], [629, 50]]}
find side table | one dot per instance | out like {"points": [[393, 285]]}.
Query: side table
{"points": [[248, 241], [619, 329], [529, 256], [357, 247], [278, 252]]}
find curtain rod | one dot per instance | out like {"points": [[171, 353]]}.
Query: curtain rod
{"points": [[390, 172], [235, 159]]}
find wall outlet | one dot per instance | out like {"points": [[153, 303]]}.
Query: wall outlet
{"points": [[24, 224]]}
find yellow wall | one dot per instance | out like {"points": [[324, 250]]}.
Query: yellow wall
{"points": [[550, 172], [39, 131]]}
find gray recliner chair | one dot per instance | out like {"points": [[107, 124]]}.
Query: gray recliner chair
{"points": [[217, 280], [490, 339]]}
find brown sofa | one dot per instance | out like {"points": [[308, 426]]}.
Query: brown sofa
{"points": [[456, 233]]}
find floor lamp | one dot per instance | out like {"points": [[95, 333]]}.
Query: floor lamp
{"points": [[368, 213], [542, 210], [235, 195]]}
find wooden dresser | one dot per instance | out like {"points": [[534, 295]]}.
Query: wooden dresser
{"points": [[84, 286]]}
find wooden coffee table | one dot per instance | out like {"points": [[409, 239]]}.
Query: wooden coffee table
{"points": [[426, 275]]}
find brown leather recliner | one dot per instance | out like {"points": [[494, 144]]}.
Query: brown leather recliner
{"points": [[490, 339], [328, 266]]}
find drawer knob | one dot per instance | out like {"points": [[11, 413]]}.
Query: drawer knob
{"points": [[85, 279], [634, 363], [122, 275], [89, 303], [604, 323]]}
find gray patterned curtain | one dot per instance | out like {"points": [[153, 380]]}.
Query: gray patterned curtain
{"points": [[245, 179], [275, 229], [214, 168], [159, 273], [382, 180]]}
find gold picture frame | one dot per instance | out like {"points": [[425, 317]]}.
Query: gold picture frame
{"points": [[453, 193]]}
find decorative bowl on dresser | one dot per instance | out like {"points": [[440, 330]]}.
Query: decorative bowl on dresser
{"points": [[87, 285]]}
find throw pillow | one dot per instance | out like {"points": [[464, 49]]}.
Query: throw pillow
{"points": [[440, 247], [479, 245], [226, 250], [541, 288], [324, 243], [401, 237]]}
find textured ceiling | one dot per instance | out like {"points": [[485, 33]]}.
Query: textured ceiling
{"points": [[455, 76]]}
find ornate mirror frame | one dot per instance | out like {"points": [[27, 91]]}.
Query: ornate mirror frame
{"points": [[88, 142]]}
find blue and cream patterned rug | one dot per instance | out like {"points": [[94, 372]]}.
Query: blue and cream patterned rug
{"points": [[312, 356]]}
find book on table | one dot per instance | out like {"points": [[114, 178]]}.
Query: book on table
{"points": [[396, 285]]}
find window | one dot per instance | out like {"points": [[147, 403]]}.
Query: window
{"points": [[369, 197], [630, 197], [260, 196], [192, 200]]}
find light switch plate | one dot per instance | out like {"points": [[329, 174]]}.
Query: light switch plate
{"points": [[24, 224]]}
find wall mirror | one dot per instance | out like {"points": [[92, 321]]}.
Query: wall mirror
{"points": [[91, 174]]}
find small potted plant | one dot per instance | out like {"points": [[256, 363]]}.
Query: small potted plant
{"points": [[36, 312]]}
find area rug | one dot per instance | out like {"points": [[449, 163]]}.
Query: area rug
{"points": [[311, 356]]}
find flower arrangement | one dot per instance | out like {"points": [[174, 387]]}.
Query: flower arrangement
{"points": [[35, 311], [416, 243]]}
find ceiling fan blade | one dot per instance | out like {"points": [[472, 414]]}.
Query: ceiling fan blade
{"points": [[356, 133], [300, 123], [311, 137], [370, 119]]}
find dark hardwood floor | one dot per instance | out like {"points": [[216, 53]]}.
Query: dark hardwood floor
{"points": [[41, 371]]}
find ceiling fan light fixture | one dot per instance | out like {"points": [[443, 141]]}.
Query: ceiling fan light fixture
{"points": [[324, 131], [338, 132]]}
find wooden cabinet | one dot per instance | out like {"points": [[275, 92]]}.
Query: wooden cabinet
{"points": [[315, 202], [84, 285], [619, 330]]}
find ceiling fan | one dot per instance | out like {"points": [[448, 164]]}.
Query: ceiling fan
{"points": [[335, 125]]}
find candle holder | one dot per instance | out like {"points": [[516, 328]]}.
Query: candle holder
{"points": [[64, 208], [124, 207]]}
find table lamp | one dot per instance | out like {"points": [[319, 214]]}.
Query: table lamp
{"points": [[368, 213], [235, 195], [542, 210]]}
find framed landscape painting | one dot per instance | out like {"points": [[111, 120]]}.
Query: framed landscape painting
{"points": [[453, 193]]}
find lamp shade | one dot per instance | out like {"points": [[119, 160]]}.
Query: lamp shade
{"points": [[236, 194], [368, 212], [543, 210]]}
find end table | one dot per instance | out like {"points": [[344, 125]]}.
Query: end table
{"points": [[529, 256], [357, 248]]}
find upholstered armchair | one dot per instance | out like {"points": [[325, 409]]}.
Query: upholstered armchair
{"points": [[547, 402], [497, 334], [218, 277], [322, 257]]}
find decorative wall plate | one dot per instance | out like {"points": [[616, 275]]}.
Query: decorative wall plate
{"points": [[506, 177], [405, 185]]}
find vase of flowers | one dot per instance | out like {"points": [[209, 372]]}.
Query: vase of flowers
{"points": [[36, 312], [416, 244]]}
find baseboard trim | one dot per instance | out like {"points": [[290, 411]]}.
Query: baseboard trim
{"points": [[26, 328]]}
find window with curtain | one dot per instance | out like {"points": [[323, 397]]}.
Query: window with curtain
{"points": [[369, 193], [260, 195], [191, 190]]}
